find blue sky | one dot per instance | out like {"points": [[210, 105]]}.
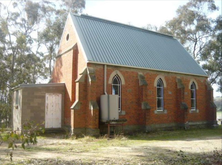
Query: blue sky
{"points": [[139, 12]]}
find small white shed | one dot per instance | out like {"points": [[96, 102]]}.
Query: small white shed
{"points": [[40, 103]]}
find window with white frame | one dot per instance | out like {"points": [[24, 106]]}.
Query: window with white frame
{"points": [[160, 94], [193, 96], [116, 88]]}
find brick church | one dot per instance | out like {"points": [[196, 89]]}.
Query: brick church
{"points": [[158, 84]]}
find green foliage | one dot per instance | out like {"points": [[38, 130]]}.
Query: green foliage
{"points": [[11, 139], [74, 6], [50, 36], [5, 112], [212, 54], [30, 32], [200, 34], [30, 133], [26, 137], [192, 26], [32, 10]]}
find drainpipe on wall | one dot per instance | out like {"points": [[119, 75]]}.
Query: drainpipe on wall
{"points": [[105, 88], [105, 70]]}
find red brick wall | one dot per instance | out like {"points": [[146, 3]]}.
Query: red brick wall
{"points": [[63, 72], [131, 96], [68, 66]]}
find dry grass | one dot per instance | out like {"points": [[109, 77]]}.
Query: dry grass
{"points": [[163, 147]]}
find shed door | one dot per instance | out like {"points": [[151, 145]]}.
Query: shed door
{"points": [[17, 111], [53, 102]]}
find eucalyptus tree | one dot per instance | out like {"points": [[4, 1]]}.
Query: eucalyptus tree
{"points": [[19, 26], [212, 55], [29, 37], [192, 25], [200, 34], [17, 46], [54, 23]]}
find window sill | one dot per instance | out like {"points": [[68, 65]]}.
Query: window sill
{"points": [[194, 111], [160, 111]]}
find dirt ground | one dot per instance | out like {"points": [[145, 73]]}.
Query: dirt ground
{"points": [[65, 151]]}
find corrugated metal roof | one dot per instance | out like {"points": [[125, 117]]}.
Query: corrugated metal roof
{"points": [[114, 43]]}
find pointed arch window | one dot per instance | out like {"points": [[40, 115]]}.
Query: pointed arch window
{"points": [[193, 96], [116, 88], [160, 94]]}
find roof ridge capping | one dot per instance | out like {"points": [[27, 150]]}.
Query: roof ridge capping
{"points": [[122, 24]]}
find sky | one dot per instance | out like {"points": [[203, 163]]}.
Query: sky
{"points": [[140, 12], [137, 12]]}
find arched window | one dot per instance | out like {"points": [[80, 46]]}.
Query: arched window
{"points": [[116, 88], [160, 94], [193, 96]]}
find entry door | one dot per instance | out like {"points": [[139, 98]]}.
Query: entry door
{"points": [[53, 102], [17, 111]]}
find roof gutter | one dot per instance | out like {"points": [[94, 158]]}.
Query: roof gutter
{"points": [[167, 71]]}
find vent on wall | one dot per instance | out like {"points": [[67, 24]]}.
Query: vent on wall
{"points": [[67, 37]]}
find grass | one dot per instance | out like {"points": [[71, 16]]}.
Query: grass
{"points": [[152, 155], [179, 134], [88, 143], [84, 144], [91, 143]]}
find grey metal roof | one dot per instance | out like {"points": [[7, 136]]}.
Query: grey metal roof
{"points": [[114, 43]]}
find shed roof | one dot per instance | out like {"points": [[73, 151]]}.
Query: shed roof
{"points": [[113, 43], [38, 85]]}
